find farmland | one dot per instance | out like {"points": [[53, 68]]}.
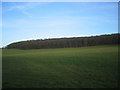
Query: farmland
{"points": [[85, 67]]}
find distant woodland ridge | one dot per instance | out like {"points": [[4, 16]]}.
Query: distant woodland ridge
{"points": [[107, 39]]}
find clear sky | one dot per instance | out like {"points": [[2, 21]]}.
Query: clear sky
{"points": [[40, 20]]}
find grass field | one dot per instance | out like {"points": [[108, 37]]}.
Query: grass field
{"points": [[85, 67]]}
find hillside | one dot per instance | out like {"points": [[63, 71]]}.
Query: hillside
{"points": [[66, 42]]}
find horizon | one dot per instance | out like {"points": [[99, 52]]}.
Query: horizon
{"points": [[60, 38], [28, 20]]}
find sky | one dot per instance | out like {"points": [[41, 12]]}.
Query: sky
{"points": [[41, 20], [60, 0]]}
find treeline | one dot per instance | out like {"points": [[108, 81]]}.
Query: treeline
{"points": [[66, 42]]}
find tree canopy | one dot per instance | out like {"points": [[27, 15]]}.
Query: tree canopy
{"points": [[66, 42]]}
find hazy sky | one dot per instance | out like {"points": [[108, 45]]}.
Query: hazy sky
{"points": [[26, 21]]}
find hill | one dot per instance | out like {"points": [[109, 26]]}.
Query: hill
{"points": [[107, 39]]}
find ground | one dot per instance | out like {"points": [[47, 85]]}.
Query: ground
{"points": [[84, 67]]}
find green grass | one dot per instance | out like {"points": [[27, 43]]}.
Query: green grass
{"points": [[86, 67]]}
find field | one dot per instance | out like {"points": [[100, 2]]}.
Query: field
{"points": [[85, 67]]}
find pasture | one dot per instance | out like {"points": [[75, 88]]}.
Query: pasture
{"points": [[85, 67]]}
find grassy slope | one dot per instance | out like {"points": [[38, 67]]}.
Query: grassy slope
{"points": [[94, 66]]}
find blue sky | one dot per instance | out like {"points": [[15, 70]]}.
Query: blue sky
{"points": [[40, 20]]}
